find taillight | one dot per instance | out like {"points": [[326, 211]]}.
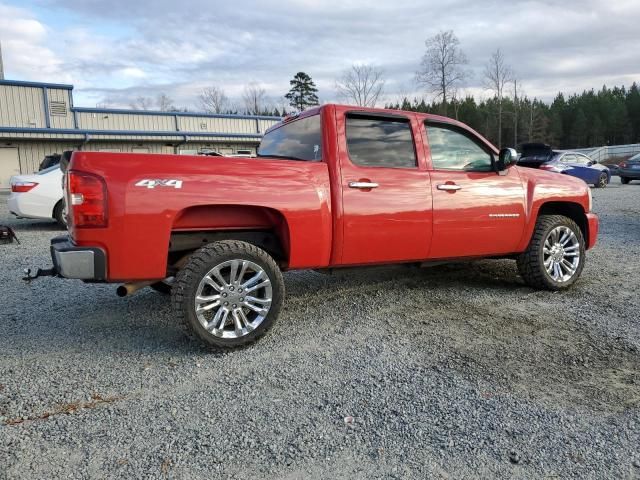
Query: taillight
{"points": [[550, 168], [86, 200], [22, 187]]}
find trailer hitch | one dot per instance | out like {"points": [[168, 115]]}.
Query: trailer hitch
{"points": [[40, 272]]}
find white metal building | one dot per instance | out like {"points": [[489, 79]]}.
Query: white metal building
{"points": [[38, 119]]}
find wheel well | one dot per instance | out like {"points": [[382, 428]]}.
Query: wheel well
{"points": [[574, 211], [263, 227], [53, 212]]}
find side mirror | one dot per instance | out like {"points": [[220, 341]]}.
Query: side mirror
{"points": [[506, 157]]}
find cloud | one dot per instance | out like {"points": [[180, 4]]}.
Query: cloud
{"points": [[25, 48], [128, 48]]}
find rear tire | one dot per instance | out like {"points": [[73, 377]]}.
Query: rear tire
{"points": [[555, 257], [603, 181], [228, 294], [59, 215], [625, 180]]}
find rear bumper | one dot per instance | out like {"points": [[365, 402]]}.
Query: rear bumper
{"points": [[84, 263], [593, 226], [30, 205]]}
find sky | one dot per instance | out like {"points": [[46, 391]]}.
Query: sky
{"points": [[114, 51]]}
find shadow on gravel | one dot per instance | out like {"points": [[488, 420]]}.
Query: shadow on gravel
{"points": [[36, 226], [491, 328], [542, 356]]}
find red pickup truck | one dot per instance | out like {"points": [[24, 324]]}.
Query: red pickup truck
{"points": [[333, 187]]}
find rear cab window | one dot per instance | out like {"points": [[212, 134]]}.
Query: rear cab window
{"points": [[299, 139]]}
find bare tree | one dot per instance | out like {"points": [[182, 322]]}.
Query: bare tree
{"points": [[441, 69], [107, 102], [141, 103], [213, 100], [361, 85], [254, 98], [497, 75], [455, 101], [165, 103]]}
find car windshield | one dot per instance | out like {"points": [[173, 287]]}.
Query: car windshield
{"points": [[47, 170], [296, 140]]}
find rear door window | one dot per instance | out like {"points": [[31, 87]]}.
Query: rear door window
{"points": [[375, 141]]}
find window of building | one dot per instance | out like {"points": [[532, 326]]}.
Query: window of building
{"points": [[58, 108], [380, 142]]}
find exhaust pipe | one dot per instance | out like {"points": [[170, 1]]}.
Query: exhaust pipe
{"points": [[127, 289]]}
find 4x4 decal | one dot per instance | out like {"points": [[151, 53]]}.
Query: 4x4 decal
{"points": [[160, 183]]}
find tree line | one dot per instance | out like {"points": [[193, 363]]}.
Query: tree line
{"points": [[609, 116], [507, 116]]}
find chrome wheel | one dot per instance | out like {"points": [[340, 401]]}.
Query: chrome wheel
{"points": [[233, 298], [561, 254], [602, 181]]}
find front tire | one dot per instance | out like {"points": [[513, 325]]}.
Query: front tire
{"points": [[555, 257], [625, 180], [603, 181], [228, 294]]}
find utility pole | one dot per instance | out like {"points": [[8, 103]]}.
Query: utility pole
{"points": [[515, 113], [1, 66]]}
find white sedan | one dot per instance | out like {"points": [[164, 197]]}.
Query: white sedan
{"points": [[38, 195]]}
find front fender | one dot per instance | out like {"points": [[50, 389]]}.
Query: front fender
{"points": [[554, 193]]}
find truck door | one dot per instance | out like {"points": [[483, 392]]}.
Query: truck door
{"points": [[386, 197], [476, 211]]}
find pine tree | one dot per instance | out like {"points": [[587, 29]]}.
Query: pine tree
{"points": [[633, 108], [303, 92], [579, 130]]}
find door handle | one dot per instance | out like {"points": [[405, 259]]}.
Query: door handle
{"points": [[448, 187], [363, 185]]}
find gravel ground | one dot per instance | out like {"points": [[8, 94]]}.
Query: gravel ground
{"points": [[457, 371]]}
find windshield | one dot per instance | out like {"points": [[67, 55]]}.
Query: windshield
{"points": [[47, 170], [298, 140]]}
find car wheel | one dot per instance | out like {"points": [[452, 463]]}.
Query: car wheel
{"points": [[603, 180], [228, 294], [625, 180], [163, 287], [59, 214], [555, 257]]}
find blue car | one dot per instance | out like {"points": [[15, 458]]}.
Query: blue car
{"points": [[630, 169], [538, 155]]}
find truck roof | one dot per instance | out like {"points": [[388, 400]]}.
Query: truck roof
{"points": [[379, 111]]}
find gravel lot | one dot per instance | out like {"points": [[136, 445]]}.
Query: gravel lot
{"points": [[449, 372]]}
